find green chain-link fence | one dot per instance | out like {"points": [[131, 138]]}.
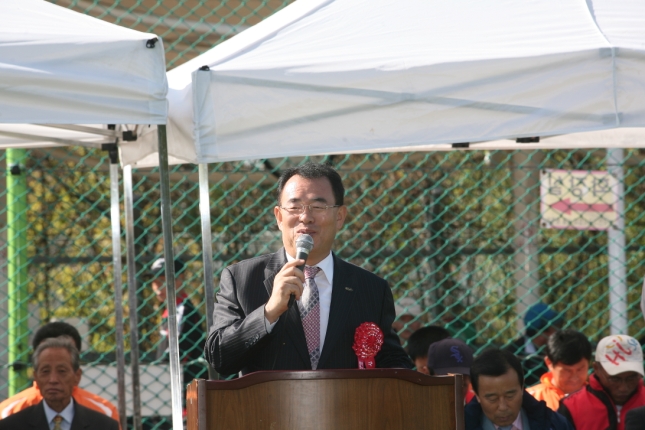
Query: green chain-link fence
{"points": [[442, 228], [459, 233]]}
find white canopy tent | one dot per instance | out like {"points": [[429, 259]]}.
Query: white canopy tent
{"points": [[58, 69], [342, 76], [348, 76]]}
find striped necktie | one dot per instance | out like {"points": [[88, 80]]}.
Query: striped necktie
{"points": [[309, 307]]}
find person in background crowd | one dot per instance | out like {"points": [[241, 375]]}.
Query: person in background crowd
{"points": [[615, 387], [191, 333], [568, 354], [32, 396], [501, 403], [408, 313], [449, 357], [540, 322], [420, 341], [57, 373]]}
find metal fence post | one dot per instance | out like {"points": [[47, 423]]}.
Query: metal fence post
{"points": [[17, 270]]}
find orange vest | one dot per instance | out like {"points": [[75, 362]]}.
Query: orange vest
{"points": [[546, 391], [31, 396]]}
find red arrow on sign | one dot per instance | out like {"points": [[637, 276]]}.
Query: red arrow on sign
{"points": [[566, 206]]}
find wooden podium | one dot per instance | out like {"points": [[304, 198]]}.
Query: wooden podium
{"points": [[328, 399]]}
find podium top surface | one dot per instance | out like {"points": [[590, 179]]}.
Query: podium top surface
{"points": [[268, 376]]}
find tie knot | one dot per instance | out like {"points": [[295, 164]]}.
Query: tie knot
{"points": [[57, 419], [311, 272]]}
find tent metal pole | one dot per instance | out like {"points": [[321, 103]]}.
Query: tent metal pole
{"points": [[17, 271], [132, 296], [115, 218], [207, 250], [171, 296], [616, 248]]}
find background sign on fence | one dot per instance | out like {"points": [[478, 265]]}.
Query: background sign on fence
{"points": [[578, 199]]}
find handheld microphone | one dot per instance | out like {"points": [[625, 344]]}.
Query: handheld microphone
{"points": [[304, 245]]}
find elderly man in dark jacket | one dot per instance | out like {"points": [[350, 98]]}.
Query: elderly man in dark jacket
{"points": [[500, 402]]}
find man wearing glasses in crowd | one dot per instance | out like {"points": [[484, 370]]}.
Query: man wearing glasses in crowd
{"points": [[615, 387], [255, 329]]}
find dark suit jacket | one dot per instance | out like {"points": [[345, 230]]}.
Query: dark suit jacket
{"points": [[238, 341], [635, 419], [34, 418]]}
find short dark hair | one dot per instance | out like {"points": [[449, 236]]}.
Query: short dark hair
{"points": [[495, 362], [315, 171], [56, 329], [56, 343], [420, 340], [568, 347]]}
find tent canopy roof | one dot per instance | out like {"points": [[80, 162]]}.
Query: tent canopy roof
{"points": [[333, 76], [62, 67]]}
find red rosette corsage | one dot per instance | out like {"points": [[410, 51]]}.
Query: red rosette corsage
{"points": [[368, 340]]}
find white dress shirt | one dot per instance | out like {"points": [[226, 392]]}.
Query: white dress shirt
{"points": [[324, 280], [67, 414]]}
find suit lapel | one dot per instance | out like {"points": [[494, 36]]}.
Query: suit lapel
{"points": [[290, 320], [342, 299], [38, 420], [80, 421], [272, 268]]}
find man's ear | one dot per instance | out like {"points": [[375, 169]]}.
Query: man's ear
{"points": [[340, 217], [548, 363], [278, 216]]}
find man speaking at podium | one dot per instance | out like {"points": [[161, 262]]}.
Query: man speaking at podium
{"points": [[254, 328]]}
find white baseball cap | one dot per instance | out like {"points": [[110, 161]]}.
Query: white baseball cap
{"points": [[407, 306], [620, 353]]}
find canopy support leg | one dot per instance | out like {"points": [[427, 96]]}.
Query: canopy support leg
{"points": [[207, 251], [132, 296], [171, 296], [115, 218]]}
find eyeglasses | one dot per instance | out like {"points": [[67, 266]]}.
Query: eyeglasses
{"points": [[316, 208]]}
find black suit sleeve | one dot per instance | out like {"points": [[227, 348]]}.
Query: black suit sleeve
{"points": [[564, 411], [235, 335], [635, 419]]}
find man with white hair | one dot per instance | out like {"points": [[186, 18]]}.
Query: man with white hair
{"points": [[615, 387], [57, 371]]}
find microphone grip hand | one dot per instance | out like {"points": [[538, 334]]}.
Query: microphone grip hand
{"points": [[302, 268]]}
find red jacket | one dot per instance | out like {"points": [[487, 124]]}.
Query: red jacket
{"points": [[591, 408]]}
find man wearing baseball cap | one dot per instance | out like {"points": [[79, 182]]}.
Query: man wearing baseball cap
{"points": [[540, 322], [450, 357], [408, 317], [189, 321], [615, 387]]}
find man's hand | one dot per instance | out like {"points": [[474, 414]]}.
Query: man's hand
{"points": [[288, 281]]}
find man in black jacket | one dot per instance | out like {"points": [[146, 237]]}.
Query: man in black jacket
{"points": [[57, 371], [501, 403], [255, 329]]}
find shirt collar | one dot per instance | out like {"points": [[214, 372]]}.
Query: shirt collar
{"points": [[326, 265], [67, 413]]}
